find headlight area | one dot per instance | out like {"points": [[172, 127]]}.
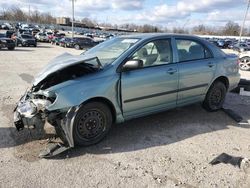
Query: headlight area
{"points": [[31, 109]]}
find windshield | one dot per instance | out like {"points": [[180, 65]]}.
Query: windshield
{"points": [[110, 50]]}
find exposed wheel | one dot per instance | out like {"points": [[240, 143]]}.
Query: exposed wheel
{"points": [[76, 46], [215, 96], [91, 124], [244, 63]]}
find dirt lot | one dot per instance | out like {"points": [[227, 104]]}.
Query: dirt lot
{"points": [[170, 149]]}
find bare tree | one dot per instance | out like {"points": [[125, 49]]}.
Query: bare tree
{"points": [[180, 30], [88, 22], [231, 28]]}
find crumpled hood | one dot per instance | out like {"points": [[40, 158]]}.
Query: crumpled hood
{"points": [[58, 63]]}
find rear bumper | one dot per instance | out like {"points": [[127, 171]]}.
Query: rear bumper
{"points": [[7, 45], [234, 81]]}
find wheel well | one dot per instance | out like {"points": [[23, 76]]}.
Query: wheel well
{"points": [[106, 102], [224, 80]]}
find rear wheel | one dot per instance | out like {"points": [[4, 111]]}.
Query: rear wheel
{"points": [[244, 63], [91, 124], [215, 96]]}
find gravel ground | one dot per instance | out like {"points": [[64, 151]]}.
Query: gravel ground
{"points": [[170, 149]]}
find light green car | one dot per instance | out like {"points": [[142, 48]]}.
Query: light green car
{"points": [[123, 78]]}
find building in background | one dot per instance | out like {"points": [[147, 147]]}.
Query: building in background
{"points": [[63, 21]]}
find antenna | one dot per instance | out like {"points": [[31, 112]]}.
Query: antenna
{"points": [[73, 12], [243, 23]]}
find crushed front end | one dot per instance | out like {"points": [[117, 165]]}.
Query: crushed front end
{"points": [[51, 98], [31, 110]]}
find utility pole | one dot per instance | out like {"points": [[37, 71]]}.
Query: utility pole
{"points": [[73, 12], [243, 23], [29, 13]]}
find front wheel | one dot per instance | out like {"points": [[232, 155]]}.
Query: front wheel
{"points": [[244, 63], [92, 123], [215, 96]]}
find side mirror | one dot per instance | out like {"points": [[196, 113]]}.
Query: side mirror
{"points": [[132, 64]]}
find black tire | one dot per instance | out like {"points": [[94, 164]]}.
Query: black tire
{"points": [[92, 123], [215, 96], [11, 48], [77, 47], [244, 63]]}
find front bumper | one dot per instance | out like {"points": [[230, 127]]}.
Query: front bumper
{"points": [[28, 113]]}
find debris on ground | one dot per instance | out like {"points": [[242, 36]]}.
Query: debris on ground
{"points": [[240, 162]]}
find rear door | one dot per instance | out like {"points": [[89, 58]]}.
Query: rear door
{"points": [[196, 70], [153, 87]]}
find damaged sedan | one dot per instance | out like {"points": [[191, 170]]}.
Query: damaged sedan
{"points": [[124, 78]]}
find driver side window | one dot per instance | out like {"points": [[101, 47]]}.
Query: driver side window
{"points": [[155, 53]]}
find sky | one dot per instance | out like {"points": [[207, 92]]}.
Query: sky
{"points": [[165, 13]]}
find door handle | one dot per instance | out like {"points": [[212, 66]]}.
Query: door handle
{"points": [[171, 71], [210, 64]]}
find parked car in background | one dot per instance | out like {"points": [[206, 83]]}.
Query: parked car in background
{"points": [[227, 43], [80, 43], [124, 78], [26, 40], [56, 35], [220, 43], [56, 40], [6, 26], [42, 37], [9, 33], [6, 42], [241, 47], [35, 31], [244, 61], [63, 41]]}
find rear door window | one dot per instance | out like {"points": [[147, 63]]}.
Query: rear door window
{"points": [[189, 50]]}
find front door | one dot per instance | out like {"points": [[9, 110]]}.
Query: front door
{"points": [[153, 87]]}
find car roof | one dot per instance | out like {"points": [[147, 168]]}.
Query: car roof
{"points": [[152, 35]]}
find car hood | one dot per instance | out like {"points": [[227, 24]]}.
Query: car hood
{"points": [[59, 63]]}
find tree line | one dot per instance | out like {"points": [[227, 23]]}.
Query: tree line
{"points": [[16, 14]]}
